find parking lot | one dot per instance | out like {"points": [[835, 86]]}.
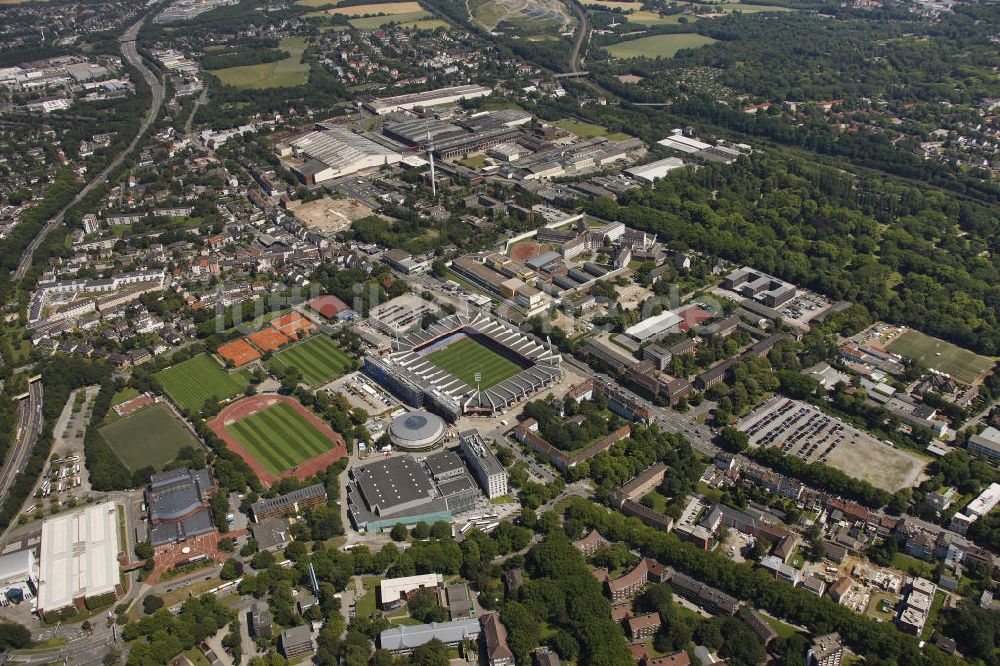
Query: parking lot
{"points": [[801, 430]]}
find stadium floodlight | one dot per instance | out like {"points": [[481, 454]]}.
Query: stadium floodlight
{"points": [[478, 377]]}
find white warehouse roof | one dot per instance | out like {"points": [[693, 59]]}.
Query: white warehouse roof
{"points": [[647, 328], [654, 170], [79, 556], [343, 151], [683, 143]]}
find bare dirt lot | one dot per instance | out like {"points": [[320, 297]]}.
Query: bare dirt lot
{"points": [[631, 295], [332, 215]]}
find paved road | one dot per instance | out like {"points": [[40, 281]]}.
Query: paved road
{"points": [[132, 55], [700, 435], [29, 427], [575, 64]]}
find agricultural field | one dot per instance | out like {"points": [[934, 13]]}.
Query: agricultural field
{"points": [[279, 437], [152, 436], [588, 130], [191, 383], [406, 19], [286, 73], [464, 358], [632, 9], [744, 7], [657, 46], [375, 9], [318, 358], [942, 356]]}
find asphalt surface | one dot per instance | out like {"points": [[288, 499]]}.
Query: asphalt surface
{"points": [[29, 427], [130, 53]]}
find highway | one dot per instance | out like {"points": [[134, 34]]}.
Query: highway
{"points": [[130, 53], [29, 427]]}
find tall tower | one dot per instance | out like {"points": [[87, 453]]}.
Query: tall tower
{"points": [[430, 156]]}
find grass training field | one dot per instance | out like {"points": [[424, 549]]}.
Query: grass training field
{"points": [[318, 358], [151, 436], [286, 73], [665, 46], [279, 437], [464, 358], [192, 382], [939, 355], [588, 130]]}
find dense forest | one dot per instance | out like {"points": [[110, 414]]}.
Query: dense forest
{"points": [[909, 255]]}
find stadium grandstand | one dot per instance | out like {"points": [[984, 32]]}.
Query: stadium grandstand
{"points": [[466, 365]]}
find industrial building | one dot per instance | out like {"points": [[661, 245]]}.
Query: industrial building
{"points": [[177, 501], [79, 557], [653, 171], [331, 151], [450, 95]]}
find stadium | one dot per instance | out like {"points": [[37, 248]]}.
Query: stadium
{"points": [[466, 365]]}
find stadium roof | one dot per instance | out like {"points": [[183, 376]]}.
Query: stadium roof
{"points": [[544, 362], [79, 556]]}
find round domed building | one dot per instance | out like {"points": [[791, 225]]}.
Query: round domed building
{"points": [[416, 431]]}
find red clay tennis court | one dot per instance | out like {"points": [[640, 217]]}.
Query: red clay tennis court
{"points": [[268, 339], [239, 352], [293, 324]]}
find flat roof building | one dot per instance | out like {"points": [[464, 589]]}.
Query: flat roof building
{"points": [[404, 639], [392, 591], [986, 443], [296, 641], [490, 474], [450, 95], [79, 557], [288, 504]]}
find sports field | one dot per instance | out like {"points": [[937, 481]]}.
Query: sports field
{"points": [[289, 72], [464, 358], [658, 46], [279, 437], [319, 359], [151, 436], [375, 22], [936, 354], [192, 382]]}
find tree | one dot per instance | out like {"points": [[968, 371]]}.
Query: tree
{"points": [[431, 653], [14, 636], [733, 440], [398, 532], [151, 603]]}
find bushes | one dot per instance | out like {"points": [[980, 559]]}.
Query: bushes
{"points": [[100, 601]]}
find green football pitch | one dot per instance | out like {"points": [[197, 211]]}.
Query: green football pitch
{"points": [[192, 382], [319, 359], [464, 358], [151, 436], [279, 437], [961, 364]]}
